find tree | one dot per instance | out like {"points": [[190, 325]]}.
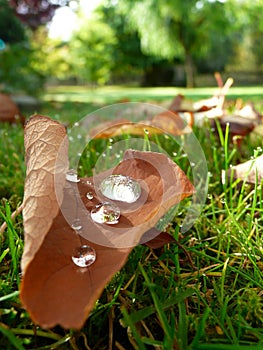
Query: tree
{"points": [[91, 50], [35, 13], [177, 29], [11, 29], [16, 70]]}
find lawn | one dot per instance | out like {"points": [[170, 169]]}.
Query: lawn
{"points": [[204, 293]]}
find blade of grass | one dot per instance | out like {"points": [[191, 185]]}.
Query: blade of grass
{"points": [[161, 314], [132, 326], [12, 338]]}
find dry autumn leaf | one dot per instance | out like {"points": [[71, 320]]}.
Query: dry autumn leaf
{"points": [[250, 171], [43, 139], [166, 121], [160, 240], [54, 290], [9, 111]]}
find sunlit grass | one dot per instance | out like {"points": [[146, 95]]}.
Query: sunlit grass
{"points": [[114, 94], [160, 299]]}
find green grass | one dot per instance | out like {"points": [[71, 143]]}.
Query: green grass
{"points": [[157, 301], [115, 94]]}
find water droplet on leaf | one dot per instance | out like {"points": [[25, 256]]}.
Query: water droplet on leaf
{"points": [[72, 175], [105, 213], [89, 195], [120, 188], [76, 224], [84, 256]]}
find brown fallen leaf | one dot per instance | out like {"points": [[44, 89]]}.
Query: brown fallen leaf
{"points": [[250, 171], [160, 240], [9, 111], [238, 126], [167, 122], [43, 139], [197, 112], [54, 290]]}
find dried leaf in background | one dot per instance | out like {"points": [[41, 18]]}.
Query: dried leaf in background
{"points": [[250, 171], [9, 112]]}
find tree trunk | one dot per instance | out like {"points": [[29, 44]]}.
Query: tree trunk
{"points": [[189, 71]]}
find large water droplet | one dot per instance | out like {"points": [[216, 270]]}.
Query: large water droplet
{"points": [[84, 256], [105, 213], [76, 224], [72, 175], [120, 188]]}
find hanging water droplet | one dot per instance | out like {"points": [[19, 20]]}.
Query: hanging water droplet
{"points": [[209, 196], [76, 224], [72, 175], [84, 256], [105, 213], [120, 188], [89, 195], [146, 131]]}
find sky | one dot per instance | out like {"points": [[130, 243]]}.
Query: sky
{"points": [[65, 20]]}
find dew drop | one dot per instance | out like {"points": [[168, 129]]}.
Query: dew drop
{"points": [[72, 175], [76, 224], [120, 188], [105, 213], [89, 195], [146, 131], [209, 196], [84, 256]]}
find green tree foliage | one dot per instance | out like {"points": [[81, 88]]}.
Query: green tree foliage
{"points": [[129, 62], [175, 28], [249, 24], [91, 50], [16, 71], [11, 29]]}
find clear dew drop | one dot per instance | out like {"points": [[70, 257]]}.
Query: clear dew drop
{"points": [[76, 224], [120, 188], [89, 195], [146, 131], [105, 213], [72, 175], [84, 256]]}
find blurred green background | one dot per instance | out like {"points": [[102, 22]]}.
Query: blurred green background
{"points": [[128, 42]]}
